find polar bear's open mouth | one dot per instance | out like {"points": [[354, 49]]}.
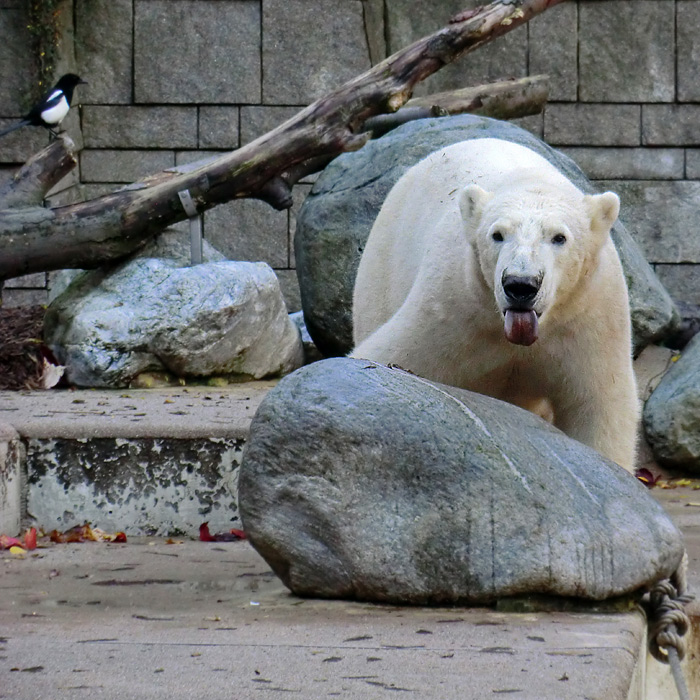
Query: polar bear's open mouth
{"points": [[521, 326]]}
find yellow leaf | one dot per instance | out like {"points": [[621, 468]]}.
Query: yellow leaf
{"points": [[18, 550]]}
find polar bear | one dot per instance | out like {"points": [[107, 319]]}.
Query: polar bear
{"points": [[487, 269]]}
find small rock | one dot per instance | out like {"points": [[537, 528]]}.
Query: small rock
{"points": [[365, 482], [311, 352]]}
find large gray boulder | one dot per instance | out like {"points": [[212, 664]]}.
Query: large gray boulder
{"points": [[337, 216], [672, 413], [153, 314], [365, 482]]}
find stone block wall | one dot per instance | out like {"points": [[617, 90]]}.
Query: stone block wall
{"points": [[172, 81]]}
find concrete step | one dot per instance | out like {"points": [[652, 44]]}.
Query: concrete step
{"points": [[148, 462]]}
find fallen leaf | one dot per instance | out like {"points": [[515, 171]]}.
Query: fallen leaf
{"points": [[206, 536], [7, 542], [15, 549], [648, 478], [690, 503], [30, 538], [85, 533]]}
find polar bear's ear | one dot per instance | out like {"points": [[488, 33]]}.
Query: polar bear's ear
{"points": [[603, 210], [472, 200]]}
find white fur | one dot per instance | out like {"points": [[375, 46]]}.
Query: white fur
{"points": [[428, 294]]}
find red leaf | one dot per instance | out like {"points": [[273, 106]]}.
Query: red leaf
{"points": [[30, 538], [232, 536], [204, 534], [119, 537]]}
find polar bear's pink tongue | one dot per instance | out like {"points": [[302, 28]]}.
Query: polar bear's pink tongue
{"points": [[521, 326]]}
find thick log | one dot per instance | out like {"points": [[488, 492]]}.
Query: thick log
{"points": [[505, 99], [88, 234]]}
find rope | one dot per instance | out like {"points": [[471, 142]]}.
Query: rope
{"points": [[668, 623]]}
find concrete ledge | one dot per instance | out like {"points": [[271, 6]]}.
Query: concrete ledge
{"points": [[158, 621], [10, 481], [148, 462]]}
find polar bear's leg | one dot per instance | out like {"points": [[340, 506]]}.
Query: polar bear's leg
{"points": [[603, 415]]}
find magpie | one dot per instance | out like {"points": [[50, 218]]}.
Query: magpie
{"points": [[53, 106]]}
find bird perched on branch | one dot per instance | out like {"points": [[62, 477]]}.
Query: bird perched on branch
{"points": [[50, 111]]}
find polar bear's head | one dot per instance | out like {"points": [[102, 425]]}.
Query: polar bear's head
{"points": [[536, 240]]}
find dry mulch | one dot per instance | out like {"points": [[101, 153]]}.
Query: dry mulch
{"points": [[22, 349]]}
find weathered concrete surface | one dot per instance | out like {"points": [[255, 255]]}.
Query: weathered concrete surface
{"points": [[152, 461], [10, 479], [154, 486], [153, 621]]}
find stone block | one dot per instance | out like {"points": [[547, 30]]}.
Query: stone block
{"points": [[626, 51], [92, 191], [219, 127], [139, 127], [18, 146], [289, 284], [688, 49], [533, 123], [197, 51], [681, 281], [324, 41], [106, 165], [553, 44], [629, 163], [104, 49], [146, 486], [692, 163], [189, 157], [10, 481], [71, 195], [592, 125], [36, 280], [17, 69], [256, 121], [24, 297], [670, 125], [659, 215], [249, 229], [408, 21], [374, 27], [70, 181]]}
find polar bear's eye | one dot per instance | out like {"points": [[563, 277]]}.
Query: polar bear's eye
{"points": [[559, 239], [497, 236]]}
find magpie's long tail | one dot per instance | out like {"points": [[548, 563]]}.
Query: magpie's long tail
{"points": [[18, 125]]}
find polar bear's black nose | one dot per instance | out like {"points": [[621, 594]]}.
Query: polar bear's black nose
{"points": [[521, 290]]}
